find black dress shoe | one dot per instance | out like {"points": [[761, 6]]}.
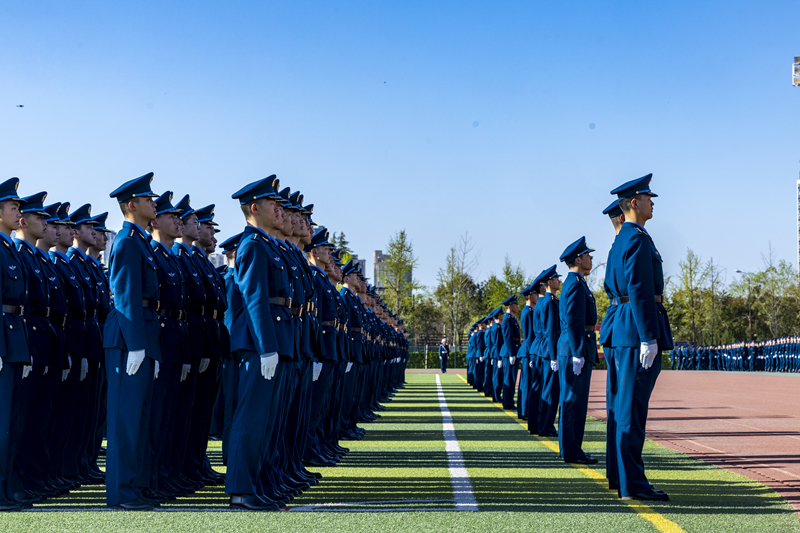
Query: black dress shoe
{"points": [[138, 504], [584, 461], [649, 495], [319, 462], [27, 498], [549, 434], [6, 505]]}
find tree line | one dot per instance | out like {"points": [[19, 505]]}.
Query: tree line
{"points": [[707, 303]]}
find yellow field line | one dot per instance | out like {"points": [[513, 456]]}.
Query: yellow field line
{"points": [[661, 522]]}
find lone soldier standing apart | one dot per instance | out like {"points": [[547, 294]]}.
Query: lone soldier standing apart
{"points": [[639, 333], [508, 353], [577, 350], [131, 344], [444, 353]]}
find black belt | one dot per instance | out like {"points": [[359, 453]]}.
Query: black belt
{"points": [[589, 327], [627, 299], [58, 320], [357, 330], [283, 302], [40, 311], [197, 310], [147, 303], [212, 314], [81, 314], [177, 314], [18, 310], [329, 323]]}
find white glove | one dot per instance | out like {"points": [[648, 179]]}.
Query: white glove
{"points": [[1, 363], [512, 360], [45, 370], [64, 374], [69, 360], [317, 371], [349, 366], [647, 353], [204, 362], [85, 368], [480, 359], [135, 360], [554, 366], [577, 365], [155, 372], [269, 362], [530, 363], [499, 363], [26, 370], [185, 371]]}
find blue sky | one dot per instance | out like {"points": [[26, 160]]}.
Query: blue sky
{"points": [[507, 120]]}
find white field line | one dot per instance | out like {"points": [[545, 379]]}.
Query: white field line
{"points": [[459, 477]]}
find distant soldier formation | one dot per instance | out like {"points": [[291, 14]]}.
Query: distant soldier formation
{"points": [[554, 346], [774, 355], [149, 352]]}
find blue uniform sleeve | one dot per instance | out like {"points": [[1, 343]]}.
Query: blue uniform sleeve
{"points": [[551, 329], [638, 270], [126, 283], [573, 301], [252, 277]]}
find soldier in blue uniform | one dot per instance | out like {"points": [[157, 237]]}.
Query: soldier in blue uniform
{"points": [[640, 332], [164, 229], [577, 351], [33, 399], [480, 358], [444, 354], [471, 355], [546, 327], [508, 353], [263, 343], [497, 348], [355, 324], [14, 354], [230, 370], [131, 341], [88, 400], [488, 350], [531, 379], [617, 219]]}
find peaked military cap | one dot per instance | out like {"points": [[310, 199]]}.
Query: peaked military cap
{"points": [[263, 188], [348, 268], [82, 215], [34, 204], [296, 199], [231, 244], [320, 238], [497, 312], [52, 213], [510, 300], [634, 188], [545, 276], [135, 188], [309, 211], [184, 207], [100, 222], [574, 250], [164, 205], [63, 213], [205, 215], [8, 190], [613, 210], [527, 290]]}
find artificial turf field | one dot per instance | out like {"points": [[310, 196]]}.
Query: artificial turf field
{"points": [[399, 479]]}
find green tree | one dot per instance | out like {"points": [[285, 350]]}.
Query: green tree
{"points": [[687, 299], [456, 291], [396, 274], [341, 242]]}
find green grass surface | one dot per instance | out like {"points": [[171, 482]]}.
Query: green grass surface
{"points": [[519, 482]]}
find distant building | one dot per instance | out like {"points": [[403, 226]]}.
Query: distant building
{"points": [[362, 262], [217, 260], [798, 226], [112, 236]]}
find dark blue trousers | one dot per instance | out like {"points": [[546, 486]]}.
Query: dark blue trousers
{"points": [[548, 403], [574, 405], [59, 433], [611, 424], [34, 464], [488, 388], [10, 376], [184, 407], [634, 387], [320, 403], [509, 383], [162, 421], [230, 385], [479, 374], [497, 382], [202, 412], [251, 421], [524, 387], [443, 363], [535, 394], [129, 401]]}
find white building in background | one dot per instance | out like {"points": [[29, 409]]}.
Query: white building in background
{"points": [[798, 226], [217, 260], [363, 263]]}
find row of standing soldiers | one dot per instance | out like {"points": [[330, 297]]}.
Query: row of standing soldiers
{"points": [[774, 355], [144, 351], [555, 346]]}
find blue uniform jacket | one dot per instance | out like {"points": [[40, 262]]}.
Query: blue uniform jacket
{"points": [[133, 276], [327, 315], [636, 271], [196, 300], [215, 294], [40, 334], [85, 275], [172, 296], [58, 309], [576, 311], [355, 320], [444, 351], [480, 343], [547, 316], [261, 274], [528, 335], [611, 312], [511, 336]]}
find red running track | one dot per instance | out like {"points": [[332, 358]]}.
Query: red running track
{"points": [[748, 423]]}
